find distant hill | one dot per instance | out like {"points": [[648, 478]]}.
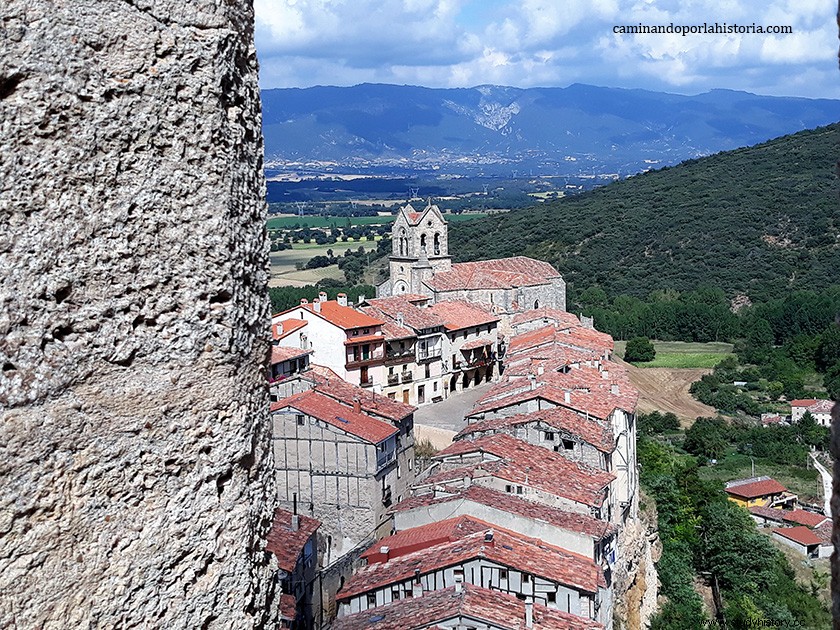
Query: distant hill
{"points": [[758, 221], [498, 130]]}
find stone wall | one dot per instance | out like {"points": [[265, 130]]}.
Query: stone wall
{"points": [[135, 475]]}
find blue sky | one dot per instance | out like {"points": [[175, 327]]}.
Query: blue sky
{"points": [[525, 43]]}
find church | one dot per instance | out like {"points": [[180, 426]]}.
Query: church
{"points": [[420, 264]]}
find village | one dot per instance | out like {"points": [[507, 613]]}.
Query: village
{"points": [[530, 516]]}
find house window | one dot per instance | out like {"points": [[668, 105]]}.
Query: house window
{"points": [[526, 578], [428, 370], [551, 597], [301, 419], [548, 436], [434, 386], [508, 488], [371, 600], [518, 489], [568, 445], [503, 574]]}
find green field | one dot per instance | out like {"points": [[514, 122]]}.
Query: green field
{"points": [[804, 482], [314, 221], [681, 354]]}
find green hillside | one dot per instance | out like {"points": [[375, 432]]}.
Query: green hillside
{"points": [[758, 221]]}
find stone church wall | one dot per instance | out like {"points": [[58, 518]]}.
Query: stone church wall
{"points": [[135, 477]]}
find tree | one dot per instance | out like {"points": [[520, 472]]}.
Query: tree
{"points": [[639, 350], [828, 351], [707, 437], [832, 382]]}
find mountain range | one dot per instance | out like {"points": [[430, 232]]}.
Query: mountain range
{"points": [[495, 130]]}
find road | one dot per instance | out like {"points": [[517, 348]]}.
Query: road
{"points": [[826, 480]]}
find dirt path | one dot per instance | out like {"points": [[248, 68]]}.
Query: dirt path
{"points": [[666, 389]]}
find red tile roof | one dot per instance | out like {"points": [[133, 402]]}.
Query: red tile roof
{"points": [[799, 534], [281, 353], [288, 607], [534, 466], [481, 342], [551, 314], [770, 514], [457, 315], [824, 532], [803, 402], [375, 338], [341, 416], [509, 549], [590, 430], [473, 602], [418, 318], [503, 273], [287, 544], [513, 504], [754, 488], [803, 517], [285, 327], [821, 406], [422, 537], [345, 317], [330, 384]]}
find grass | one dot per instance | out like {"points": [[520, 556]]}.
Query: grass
{"points": [[802, 481], [681, 354]]}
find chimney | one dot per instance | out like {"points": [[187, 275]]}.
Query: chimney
{"points": [[567, 397], [361, 299], [540, 370], [614, 389], [529, 613], [605, 374], [459, 580], [295, 522], [322, 296], [342, 299], [467, 481], [357, 405], [488, 537], [304, 301], [385, 551], [400, 319], [533, 380], [316, 304]]}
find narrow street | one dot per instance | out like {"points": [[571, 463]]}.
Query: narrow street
{"points": [[826, 480]]}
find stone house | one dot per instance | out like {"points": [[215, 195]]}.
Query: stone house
{"points": [[465, 550], [286, 362], [819, 409], [420, 264]]}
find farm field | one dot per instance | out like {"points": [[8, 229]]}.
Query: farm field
{"points": [[283, 264], [318, 221], [681, 354]]}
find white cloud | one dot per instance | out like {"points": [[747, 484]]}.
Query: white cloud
{"points": [[451, 43]]}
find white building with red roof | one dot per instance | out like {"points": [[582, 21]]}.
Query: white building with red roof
{"points": [[420, 263], [819, 409], [342, 338]]}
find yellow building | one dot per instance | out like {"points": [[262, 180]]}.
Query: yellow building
{"points": [[760, 492]]}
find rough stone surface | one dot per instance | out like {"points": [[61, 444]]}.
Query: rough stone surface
{"points": [[636, 580], [135, 474], [835, 514]]}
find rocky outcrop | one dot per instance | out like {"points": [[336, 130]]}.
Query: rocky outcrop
{"points": [[636, 579], [135, 481], [835, 511]]}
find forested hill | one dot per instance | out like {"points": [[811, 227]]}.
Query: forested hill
{"points": [[758, 221]]}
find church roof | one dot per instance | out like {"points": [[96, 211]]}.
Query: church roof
{"points": [[502, 273], [413, 217], [457, 315]]}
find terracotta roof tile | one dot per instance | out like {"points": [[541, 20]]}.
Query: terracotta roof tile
{"points": [[481, 342], [598, 434], [457, 315], [288, 607], [754, 488], [513, 504], [523, 463], [803, 402], [770, 514], [340, 416], [281, 353], [285, 327], [345, 317], [507, 548], [490, 607], [550, 314], [503, 273], [418, 318], [374, 338], [330, 384], [285, 543], [799, 534], [803, 517], [821, 406], [416, 538]]}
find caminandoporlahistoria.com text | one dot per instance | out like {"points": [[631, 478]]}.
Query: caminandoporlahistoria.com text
{"points": [[706, 28]]}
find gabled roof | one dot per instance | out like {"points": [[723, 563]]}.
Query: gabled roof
{"points": [[330, 384], [472, 602], [522, 463], [345, 317], [328, 410], [281, 353], [799, 534], [507, 548], [512, 504], [284, 542], [803, 402], [285, 327], [545, 313], [803, 517], [422, 537], [416, 317], [457, 315], [821, 406], [591, 431], [502, 273], [414, 217], [754, 487]]}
